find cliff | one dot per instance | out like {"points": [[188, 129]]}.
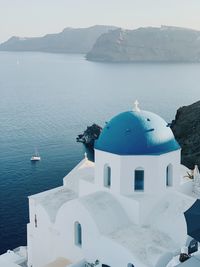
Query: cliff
{"points": [[68, 41], [90, 135], [164, 44], [186, 128]]}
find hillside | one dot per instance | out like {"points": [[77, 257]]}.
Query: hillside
{"points": [[70, 40], [164, 44]]}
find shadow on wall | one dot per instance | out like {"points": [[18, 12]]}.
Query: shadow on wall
{"points": [[164, 260]]}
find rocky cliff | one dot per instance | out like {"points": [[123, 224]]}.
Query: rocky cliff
{"points": [[186, 128], [164, 44], [90, 135], [68, 41]]}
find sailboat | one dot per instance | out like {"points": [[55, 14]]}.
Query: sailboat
{"points": [[36, 157]]}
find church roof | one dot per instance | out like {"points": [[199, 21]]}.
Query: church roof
{"points": [[101, 205], [137, 133], [147, 244], [192, 262], [84, 170], [53, 199]]}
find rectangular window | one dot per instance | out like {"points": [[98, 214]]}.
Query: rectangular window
{"points": [[139, 180], [77, 234]]}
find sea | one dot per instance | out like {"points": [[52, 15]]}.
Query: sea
{"points": [[46, 100]]}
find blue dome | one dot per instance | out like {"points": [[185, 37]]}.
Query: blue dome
{"points": [[137, 133]]}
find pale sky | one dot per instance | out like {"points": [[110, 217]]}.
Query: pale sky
{"points": [[38, 17]]}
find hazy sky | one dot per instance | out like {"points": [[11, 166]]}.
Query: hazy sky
{"points": [[38, 17]]}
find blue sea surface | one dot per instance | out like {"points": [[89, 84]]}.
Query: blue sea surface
{"points": [[47, 99]]}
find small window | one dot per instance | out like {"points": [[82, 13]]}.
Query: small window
{"points": [[107, 176], [169, 175], [139, 180], [77, 234], [130, 265], [35, 221]]}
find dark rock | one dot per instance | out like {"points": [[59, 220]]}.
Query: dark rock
{"points": [[90, 135], [186, 128]]}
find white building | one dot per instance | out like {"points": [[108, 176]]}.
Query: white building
{"points": [[124, 210]]}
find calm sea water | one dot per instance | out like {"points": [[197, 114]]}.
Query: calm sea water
{"points": [[47, 99]]}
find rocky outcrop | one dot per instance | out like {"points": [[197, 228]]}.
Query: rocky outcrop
{"points": [[186, 128], [90, 135], [164, 44], [70, 40]]}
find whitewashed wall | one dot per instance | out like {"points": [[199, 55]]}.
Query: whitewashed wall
{"points": [[123, 167]]}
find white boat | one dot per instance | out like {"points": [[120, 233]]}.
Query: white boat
{"points": [[36, 157]]}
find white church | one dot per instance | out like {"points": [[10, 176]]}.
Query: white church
{"points": [[123, 210]]}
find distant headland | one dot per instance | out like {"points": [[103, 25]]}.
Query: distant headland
{"points": [[112, 44], [164, 44], [70, 40]]}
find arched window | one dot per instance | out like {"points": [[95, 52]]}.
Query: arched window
{"points": [[107, 176], [139, 179], [130, 265], [77, 234], [169, 175]]}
